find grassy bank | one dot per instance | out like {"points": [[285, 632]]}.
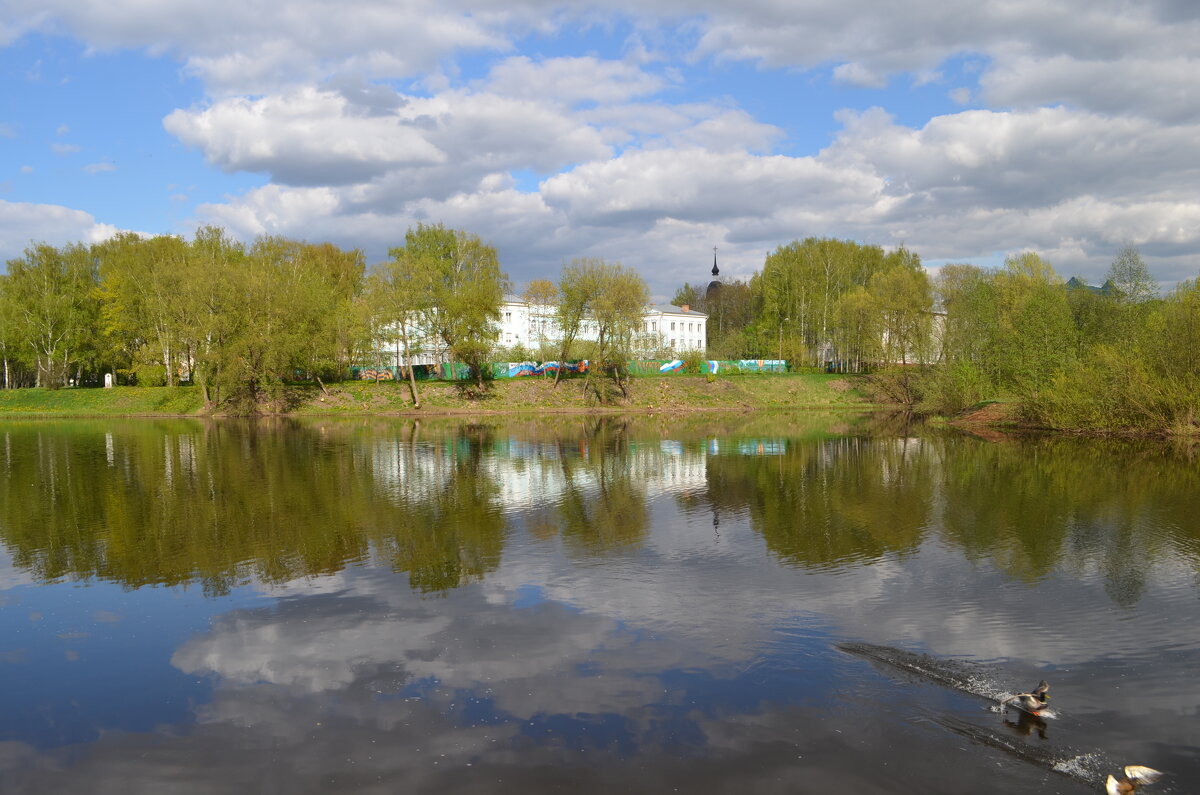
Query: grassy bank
{"points": [[529, 395], [523, 396], [122, 401]]}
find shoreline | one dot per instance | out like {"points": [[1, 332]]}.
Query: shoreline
{"points": [[517, 397]]}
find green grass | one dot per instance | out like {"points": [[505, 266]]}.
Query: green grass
{"points": [[531, 395], [121, 401]]}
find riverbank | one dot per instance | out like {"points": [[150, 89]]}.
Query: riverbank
{"points": [[516, 396]]}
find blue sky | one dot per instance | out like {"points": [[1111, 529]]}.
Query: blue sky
{"points": [[644, 133]]}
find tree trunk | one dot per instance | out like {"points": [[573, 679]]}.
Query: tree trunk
{"points": [[412, 373]]}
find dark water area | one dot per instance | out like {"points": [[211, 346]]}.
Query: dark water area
{"points": [[768, 604]]}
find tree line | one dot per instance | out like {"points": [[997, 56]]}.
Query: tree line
{"points": [[1120, 357], [240, 320]]}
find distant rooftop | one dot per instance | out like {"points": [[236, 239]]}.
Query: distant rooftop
{"points": [[1075, 283], [672, 309]]}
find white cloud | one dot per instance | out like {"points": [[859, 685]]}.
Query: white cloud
{"points": [[97, 168], [1071, 184], [571, 80], [26, 169], [22, 224], [321, 137], [855, 74], [1098, 133], [64, 149]]}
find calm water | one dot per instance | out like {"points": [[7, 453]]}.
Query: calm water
{"points": [[585, 605]]}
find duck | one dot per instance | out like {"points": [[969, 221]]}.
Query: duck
{"points": [[1031, 702], [1135, 776]]}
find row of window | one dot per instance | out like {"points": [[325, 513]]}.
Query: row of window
{"points": [[650, 325]]}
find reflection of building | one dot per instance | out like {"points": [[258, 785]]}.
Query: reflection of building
{"points": [[530, 475]]}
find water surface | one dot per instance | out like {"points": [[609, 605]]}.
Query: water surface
{"points": [[588, 605]]}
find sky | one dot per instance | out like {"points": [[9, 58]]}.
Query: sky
{"points": [[645, 133]]}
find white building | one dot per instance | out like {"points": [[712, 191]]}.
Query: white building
{"points": [[669, 328]]}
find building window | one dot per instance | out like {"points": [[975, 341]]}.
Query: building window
{"points": [[508, 315], [654, 325], [672, 329]]}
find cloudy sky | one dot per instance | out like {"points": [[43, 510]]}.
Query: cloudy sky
{"points": [[643, 132]]}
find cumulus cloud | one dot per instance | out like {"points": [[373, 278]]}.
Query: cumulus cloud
{"points": [[1090, 133], [23, 223]]}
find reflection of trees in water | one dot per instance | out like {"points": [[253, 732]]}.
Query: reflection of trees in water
{"points": [[827, 503], [1046, 503], [607, 509], [150, 504], [222, 503], [1029, 507], [455, 534], [225, 503]]}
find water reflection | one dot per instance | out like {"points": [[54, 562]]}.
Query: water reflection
{"points": [[585, 603], [226, 503]]}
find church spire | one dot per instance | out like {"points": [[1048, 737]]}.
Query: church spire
{"points": [[715, 284]]}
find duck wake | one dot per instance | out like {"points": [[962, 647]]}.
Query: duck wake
{"points": [[967, 677]]}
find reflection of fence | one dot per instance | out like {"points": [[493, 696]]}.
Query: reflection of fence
{"points": [[455, 371]]}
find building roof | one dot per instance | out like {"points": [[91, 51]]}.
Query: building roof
{"points": [[1075, 283], [671, 309]]}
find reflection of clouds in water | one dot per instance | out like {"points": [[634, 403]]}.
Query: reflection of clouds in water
{"points": [[11, 576]]}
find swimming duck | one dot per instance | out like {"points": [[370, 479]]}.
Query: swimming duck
{"points": [[1031, 702], [1135, 776]]}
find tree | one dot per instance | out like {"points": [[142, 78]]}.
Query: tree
{"points": [[801, 283], [617, 309], [207, 292], [611, 300], [140, 290], [335, 281], [404, 307], [577, 286], [905, 300], [1129, 274], [690, 296], [466, 286], [1036, 333], [53, 293], [859, 336], [541, 296]]}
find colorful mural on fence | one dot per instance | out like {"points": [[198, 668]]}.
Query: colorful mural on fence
{"points": [[523, 369], [454, 371]]}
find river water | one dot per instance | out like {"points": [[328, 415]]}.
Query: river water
{"points": [[761, 604]]}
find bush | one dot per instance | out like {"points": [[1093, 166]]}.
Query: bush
{"points": [[694, 363], [950, 388], [900, 385]]}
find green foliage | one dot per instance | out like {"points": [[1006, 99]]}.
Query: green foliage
{"points": [[610, 300], [694, 362], [954, 386], [52, 304], [465, 284], [800, 286]]}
